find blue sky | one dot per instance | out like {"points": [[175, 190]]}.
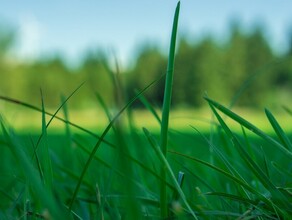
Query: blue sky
{"points": [[72, 27]]}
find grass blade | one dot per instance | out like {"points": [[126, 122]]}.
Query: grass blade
{"points": [[44, 152], [168, 84], [166, 108], [249, 126], [279, 131]]}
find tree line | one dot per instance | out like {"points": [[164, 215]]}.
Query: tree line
{"points": [[243, 70]]}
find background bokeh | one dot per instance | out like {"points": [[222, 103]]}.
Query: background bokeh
{"points": [[239, 54]]}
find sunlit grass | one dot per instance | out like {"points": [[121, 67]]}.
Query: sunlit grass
{"points": [[26, 121]]}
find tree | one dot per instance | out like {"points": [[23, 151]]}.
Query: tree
{"points": [[247, 59], [7, 39], [93, 71], [197, 71], [150, 66], [258, 62]]}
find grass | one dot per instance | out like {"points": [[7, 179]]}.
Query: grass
{"points": [[165, 115], [236, 189], [227, 172]]}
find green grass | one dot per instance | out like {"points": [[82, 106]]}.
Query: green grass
{"points": [[143, 173], [228, 185], [165, 115]]}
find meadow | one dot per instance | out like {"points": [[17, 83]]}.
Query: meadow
{"points": [[244, 174], [123, 164]]}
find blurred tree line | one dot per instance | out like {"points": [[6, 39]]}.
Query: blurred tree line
{"points": [[244, 70]]}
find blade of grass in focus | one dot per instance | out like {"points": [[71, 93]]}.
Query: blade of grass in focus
{"points": [[166, 109]]}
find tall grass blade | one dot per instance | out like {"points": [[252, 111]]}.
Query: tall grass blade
{"points": [[44, 152], [249, 126], [166, 109], [168, 84], [66, 115], [279, 131], [165, 163], [69, 142]]}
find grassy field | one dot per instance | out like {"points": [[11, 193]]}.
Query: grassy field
{"points": [[123, 179], [208, 164]]}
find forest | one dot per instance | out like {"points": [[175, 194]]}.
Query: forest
{"points": [[243, 70]]}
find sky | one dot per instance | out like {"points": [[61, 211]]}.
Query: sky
{"points": [[70, 28]]}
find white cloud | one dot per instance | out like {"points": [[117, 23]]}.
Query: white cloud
{"points": [[30, 34]]}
